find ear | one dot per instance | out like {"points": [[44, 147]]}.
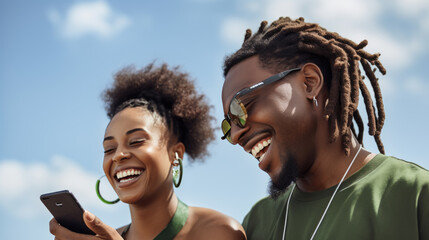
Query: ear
{"points": [[313, 80], [178, 148]]}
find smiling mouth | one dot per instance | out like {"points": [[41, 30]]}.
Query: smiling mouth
{"points": [[128, 174], [260, 148]]}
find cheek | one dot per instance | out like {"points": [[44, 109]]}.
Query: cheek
{"points": [[290, 115], [160, 162], [107, 164]]}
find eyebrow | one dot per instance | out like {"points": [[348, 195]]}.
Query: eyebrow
{"points": [[127, 133]]}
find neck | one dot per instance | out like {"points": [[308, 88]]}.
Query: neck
{"points": [[151, 217], [330, 164]]}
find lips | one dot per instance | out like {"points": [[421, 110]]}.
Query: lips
{"points": [[260, 148]]}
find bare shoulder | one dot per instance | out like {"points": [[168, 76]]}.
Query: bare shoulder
{"points": [[210, 224]]}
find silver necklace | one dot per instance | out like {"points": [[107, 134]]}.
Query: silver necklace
{"points": [[329, 203]]}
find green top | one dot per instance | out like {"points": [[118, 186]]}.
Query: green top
{"points": [[388, 198], [174, 226]]}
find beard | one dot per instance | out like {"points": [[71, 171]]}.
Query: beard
{"points": [[287, 175]]}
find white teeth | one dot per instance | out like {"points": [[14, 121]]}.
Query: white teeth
{"points": [[126, 180], [261, 158], [259, 146], [126, 173]]}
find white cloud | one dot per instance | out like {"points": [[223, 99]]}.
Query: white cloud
{"points": [[417, 87], [89, 18], [411, 7], [252, 6], [233, 30], [22, 184]]}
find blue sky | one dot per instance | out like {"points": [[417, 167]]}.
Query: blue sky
{"points": [[57, 56]]}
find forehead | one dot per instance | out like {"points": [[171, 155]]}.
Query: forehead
{"points": [[136, 117], [242, 75]]}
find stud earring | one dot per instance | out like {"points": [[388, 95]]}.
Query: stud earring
{"points": [[177, 171], [97, 190], [315, 101]]}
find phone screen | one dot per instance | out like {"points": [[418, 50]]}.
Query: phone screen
{"points": [[66, 210]]}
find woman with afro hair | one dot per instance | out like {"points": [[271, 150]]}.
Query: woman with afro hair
{"points": [[156, 116]]}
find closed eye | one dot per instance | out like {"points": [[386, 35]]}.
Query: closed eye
{"points": [[135, 142], [108, 150]]}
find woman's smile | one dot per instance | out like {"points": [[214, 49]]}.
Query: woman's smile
{"points": [[127, 177]]}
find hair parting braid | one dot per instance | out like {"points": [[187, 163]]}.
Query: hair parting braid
{"points": [[247, 35], [291, 43], [262, 27], [285, 30], [369, 108], [345, 98], [354, 77], [362, 44], [345, 142], [379, 143], [369, 57], [377, 92], [380, 67]]}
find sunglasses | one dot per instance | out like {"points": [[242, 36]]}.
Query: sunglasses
{"points": [[237, 112]]}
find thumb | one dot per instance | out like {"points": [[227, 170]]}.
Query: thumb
{"points": [[98, 227]]}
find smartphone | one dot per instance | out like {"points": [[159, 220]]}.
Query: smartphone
{"points": [[66, 210]]}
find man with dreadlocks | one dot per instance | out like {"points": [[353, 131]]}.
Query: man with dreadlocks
{"points": [[290, 99]]}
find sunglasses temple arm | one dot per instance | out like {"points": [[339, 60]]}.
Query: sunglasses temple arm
{"points": [[226, 134]]}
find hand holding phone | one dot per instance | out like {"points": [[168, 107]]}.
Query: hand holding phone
{"points": [[66, 210]]}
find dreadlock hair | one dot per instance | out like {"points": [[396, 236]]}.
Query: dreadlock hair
{"points": [[290, 43], [170, 94]]}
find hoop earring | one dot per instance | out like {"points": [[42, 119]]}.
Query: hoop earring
{"points": [[315, 101], [177, 173], [97, 190]]}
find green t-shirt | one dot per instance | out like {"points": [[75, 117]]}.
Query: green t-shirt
{"points": [[388, 198]]}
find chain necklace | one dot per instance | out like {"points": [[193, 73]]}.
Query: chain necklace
{"points": [[329, 203]]}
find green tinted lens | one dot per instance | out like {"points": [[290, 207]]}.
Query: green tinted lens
{"points": [[226, 127], [238, 113]]}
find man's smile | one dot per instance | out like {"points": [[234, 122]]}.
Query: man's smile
{"points": [[260, 148]]}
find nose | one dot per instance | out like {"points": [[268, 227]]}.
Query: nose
{"points": [[121, 155], [237, 133]]}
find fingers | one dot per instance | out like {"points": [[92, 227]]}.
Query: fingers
{"points": [[62, 233], [102, 230], [54, 227]]}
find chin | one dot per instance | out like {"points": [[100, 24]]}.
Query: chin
{"points": [[130, 199], [284, 179]]}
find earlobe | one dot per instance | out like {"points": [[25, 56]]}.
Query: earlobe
{"points": [[313, 80]]}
